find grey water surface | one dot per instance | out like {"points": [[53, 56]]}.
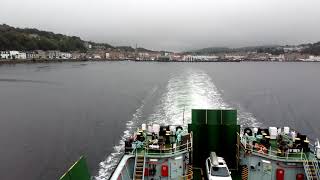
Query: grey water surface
{"points": [[51, 114]]}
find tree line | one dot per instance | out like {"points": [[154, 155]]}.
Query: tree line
{"points": [[32, 39]]}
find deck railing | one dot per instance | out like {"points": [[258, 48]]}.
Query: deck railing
{"points": [[311, 167], [272, 153], [182, 148], [311, 141]]}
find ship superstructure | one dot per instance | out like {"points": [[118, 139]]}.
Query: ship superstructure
{"points": [[211, 141], [155, 152], [278, 153]]}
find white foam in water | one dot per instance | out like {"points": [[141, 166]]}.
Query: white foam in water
{"points": [[107, 166], [192, 89]]}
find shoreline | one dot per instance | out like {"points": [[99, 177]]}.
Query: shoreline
{"points": [[25, 61]]}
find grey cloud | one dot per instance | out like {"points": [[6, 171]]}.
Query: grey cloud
{"points": [[172, 24]]}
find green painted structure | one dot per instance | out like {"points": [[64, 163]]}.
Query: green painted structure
{"points": [[214, 131], [78, 171]]}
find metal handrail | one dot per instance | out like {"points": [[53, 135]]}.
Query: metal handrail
{"points": [[315, 164], [188, 146], [144, 164], [271, 154], [271, 151], [135, 163], [311, 141], [307, 168]]}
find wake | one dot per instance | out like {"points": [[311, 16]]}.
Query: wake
{"points": [[107, 166], [191, 89]]}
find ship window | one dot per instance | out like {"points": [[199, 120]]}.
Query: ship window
{"points": [[220, 171]]}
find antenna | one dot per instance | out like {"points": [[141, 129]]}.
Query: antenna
{"points": [[183, 115], [136, 52]]}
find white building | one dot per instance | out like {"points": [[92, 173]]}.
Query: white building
{"points": [[4, 55], [96, 56], [13, 54], [200, 58], [30, 55], [22, 55], [107, 55], [234, 57], [277, 57], [53, 54], [313, 58], [65, 55]]}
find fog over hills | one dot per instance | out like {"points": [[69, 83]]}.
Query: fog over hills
{"points": [[178, 25]]}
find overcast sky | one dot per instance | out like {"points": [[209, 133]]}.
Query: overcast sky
{"points": [[172, 24]]}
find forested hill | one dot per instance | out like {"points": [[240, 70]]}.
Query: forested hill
{"points": [[313, 49], [32, 39]]}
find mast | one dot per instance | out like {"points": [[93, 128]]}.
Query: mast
{"points": [[183, 115], [136, 52]]}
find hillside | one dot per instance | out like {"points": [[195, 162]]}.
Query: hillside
{"points": [[33, 39], [313, 49], [210, 50], [214, 50], [131, 49]]}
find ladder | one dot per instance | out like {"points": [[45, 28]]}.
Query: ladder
{"points": [[311, 169], [139, 166], [190, 172]]}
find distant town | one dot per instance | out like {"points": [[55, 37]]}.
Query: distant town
{"points": [[32, 45], [290, 53]]}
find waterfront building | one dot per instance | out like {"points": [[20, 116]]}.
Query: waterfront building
{"points": [[37, 54], [116, 55], [21, 55], [13, 54], [40, 54], [53, 54], [78, 55], [65, 55], [234, 57], [164, 58], [30, 54], [144, 56], [187, 58], [4, 55], [107, 55], [295, 56], [313, 58], [206, 58], [279, 57], [200, 58], [253, 56], [96, 56]]}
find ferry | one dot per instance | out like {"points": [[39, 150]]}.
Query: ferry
{"points": [[214, 147]]}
